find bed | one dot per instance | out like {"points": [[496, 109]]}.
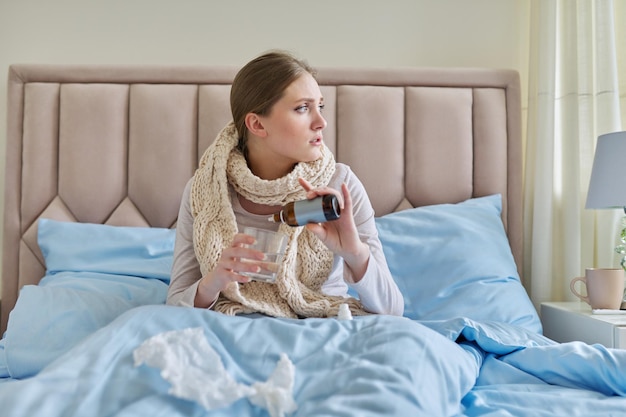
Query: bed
{"points": [[97, 158]]}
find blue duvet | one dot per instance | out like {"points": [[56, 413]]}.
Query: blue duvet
{"points": [[370, 366]]}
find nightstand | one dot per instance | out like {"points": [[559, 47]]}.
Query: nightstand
{"points": [[572, 320]]}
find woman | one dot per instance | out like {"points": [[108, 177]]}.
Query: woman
{"points": [[271, 154]]}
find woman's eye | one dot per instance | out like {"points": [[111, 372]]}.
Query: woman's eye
{"points": [[305, 107]]}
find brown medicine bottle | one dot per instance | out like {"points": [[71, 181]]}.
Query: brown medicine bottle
{"points": [[317, 210]]}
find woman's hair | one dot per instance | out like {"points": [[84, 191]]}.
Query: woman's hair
{"points": [[260, 84]]}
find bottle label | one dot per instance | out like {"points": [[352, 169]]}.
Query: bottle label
{"points": [[309, 211]]}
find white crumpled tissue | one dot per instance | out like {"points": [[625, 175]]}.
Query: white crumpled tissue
{"points": [[195, 371]]}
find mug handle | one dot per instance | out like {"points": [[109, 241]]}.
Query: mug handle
{"points": [[572, 287]]}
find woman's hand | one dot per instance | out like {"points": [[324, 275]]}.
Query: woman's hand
{"points": [[340, 236], [228, 269]]}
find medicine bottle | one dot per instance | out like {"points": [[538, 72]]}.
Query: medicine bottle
{"points": [[317, 210]]}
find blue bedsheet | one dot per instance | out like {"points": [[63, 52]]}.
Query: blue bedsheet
{"points": [[370, 366], [375, 365]]}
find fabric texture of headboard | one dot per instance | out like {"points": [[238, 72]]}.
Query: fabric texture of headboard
{"points": [[116, 144]]}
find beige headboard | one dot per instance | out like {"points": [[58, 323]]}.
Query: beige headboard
{"points": [[116, 144]]}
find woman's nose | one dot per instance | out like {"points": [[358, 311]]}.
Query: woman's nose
{"points": [[319, 122]]}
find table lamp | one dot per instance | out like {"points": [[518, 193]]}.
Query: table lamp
{"points": [[607, 186]]}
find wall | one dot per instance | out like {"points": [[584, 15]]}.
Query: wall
{"points": [[365, 33]]}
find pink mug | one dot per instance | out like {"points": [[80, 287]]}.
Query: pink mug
{"points": [[605, 288]]}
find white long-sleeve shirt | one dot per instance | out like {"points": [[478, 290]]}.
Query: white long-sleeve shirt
{"points": [[376, 290]]}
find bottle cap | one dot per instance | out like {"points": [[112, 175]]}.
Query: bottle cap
{"points": [[276, 217]]}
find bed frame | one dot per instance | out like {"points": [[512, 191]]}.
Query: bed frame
{"points": [[116, 144]]}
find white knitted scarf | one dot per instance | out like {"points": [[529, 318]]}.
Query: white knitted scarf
{"points": [[307, 261]]}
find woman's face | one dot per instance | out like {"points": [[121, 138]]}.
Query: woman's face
{"points": [[292, 131]]}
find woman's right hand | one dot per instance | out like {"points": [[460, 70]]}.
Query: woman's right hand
{"points": [[228, 269]]}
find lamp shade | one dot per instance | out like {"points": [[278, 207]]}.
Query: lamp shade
{"points": [[607, 186]]}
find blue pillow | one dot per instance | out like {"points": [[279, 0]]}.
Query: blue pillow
{"points": [[94, 273], [454, 260], [137, 251]]}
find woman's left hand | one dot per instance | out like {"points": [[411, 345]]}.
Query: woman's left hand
{"points": [[341, 236]]}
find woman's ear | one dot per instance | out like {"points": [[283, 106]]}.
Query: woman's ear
{"points": [[255, 125]]}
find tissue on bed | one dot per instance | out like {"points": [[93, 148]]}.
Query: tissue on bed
{"points": [[196, 373]]}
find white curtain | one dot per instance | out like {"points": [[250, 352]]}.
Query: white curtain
{"points": [[577, 71]]}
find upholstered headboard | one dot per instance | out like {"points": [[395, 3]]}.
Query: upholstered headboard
{"points": [[116, 144]]}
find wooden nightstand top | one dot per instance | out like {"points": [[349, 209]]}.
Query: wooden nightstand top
{"points": [[579, 307], [568, 321]]}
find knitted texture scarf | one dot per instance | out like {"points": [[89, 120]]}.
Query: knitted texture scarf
{"points": [[307, 261]]}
